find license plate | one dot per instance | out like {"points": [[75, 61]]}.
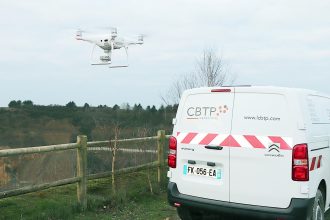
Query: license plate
{"points": [[201, 171]]}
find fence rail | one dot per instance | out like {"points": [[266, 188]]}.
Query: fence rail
{"points": [[34, 150], [81, 178]]}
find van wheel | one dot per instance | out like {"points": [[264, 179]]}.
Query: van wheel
{"points": [[318, 206], [186, 214]]}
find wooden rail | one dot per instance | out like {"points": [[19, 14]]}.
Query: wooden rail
{"points": [[39, 187], [34, 150], [81, 179]]}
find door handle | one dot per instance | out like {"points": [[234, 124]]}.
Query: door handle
{"points": [[213, 147]]}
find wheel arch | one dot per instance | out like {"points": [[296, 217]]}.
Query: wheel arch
{"points": [[323, 187]]}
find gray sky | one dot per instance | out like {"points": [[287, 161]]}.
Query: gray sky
{"points": [[281, 43]]}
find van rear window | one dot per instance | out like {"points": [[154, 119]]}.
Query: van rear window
{"points": [[261, 114], [319, 109]]}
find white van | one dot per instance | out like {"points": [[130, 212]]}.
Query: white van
{"points": [[251, 151]]}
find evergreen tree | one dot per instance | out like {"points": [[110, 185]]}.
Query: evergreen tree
{"points": [[27, 103], [115, 107], [15, 104], [71, 104]]}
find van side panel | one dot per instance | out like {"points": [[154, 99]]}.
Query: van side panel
{"points": [[318, 132]]}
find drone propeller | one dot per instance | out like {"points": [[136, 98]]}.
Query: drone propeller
{"points": [[141, 37], [113, 30], [104, 27], [113, 33], [109, 29], [80, 32]]}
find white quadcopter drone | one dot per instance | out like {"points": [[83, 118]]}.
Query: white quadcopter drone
{"points": [[108, 43]]}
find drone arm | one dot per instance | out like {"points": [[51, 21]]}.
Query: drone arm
{"points": [[134, 43], [87, 40], [139, 41]]}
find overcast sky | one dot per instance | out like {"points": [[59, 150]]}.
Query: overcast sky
{"points": [[281, 43]]}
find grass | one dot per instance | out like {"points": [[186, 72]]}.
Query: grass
{"points": [[149, 207], [57, 203], [132, 200]]}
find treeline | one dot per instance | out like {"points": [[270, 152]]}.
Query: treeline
{"points": [[25, 124]]}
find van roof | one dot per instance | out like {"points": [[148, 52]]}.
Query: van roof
{"points": [[262, 89]]}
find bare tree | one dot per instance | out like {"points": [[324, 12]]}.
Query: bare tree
{"points": [[210, 70]]}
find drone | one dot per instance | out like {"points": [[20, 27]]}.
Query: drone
{"points": [[108, 42]]}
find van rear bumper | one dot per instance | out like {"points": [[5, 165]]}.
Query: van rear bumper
{"points": [[299, 208]]}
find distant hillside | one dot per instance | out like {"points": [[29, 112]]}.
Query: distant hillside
{"points": [[24, 124]]}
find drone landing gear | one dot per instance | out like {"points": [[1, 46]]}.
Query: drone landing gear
{"points": [[100, 64], [106, 58], [109, 63], [118, 66]]}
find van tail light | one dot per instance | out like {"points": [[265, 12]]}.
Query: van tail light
{"points": [[171, 158], [300, 164]]}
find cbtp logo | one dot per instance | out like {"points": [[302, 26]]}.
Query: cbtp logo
{"points": [[206, 112], [223, 109]]}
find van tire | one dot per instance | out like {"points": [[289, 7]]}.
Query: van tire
{"points": [[186, 214], [318, 206]]}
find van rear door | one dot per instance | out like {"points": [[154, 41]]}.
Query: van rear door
{"points": [[202, 128], [260, 165]]}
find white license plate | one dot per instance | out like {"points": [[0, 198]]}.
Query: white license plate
{"points": [[202, 171]]}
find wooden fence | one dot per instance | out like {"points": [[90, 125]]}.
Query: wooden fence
{"points": [[82, 177]]}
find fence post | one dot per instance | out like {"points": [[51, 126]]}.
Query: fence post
{"points": [[160, 151], [113, 164], [82, 171]]}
